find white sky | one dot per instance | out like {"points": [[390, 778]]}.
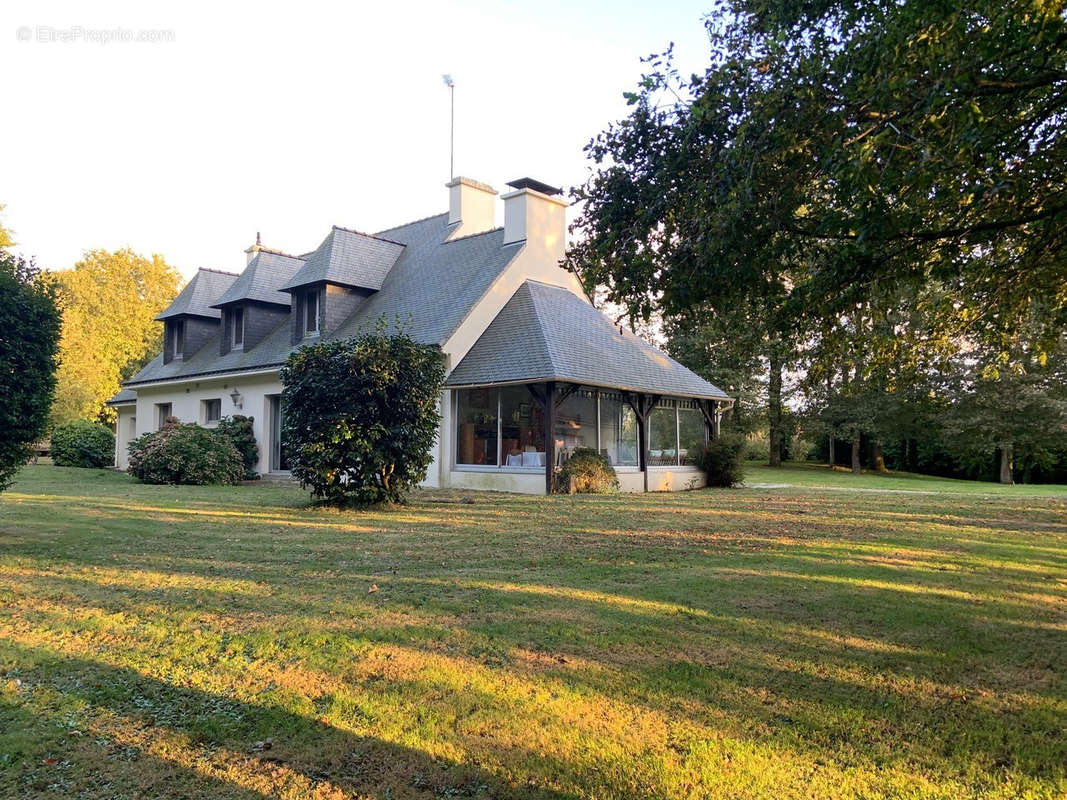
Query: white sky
{"points": [[290, 117]]}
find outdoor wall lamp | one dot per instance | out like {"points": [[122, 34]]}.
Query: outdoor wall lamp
{"points": [[236, 397]]}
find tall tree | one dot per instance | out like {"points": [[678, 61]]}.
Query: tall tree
{"points": [[29, 338], [109, 301], [5, 233]]}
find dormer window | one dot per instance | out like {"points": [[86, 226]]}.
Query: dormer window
{"points": [[177, 338], [311, 313], [237, 326]]}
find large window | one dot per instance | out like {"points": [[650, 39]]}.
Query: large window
{"points": [[618, 431], [676, 433], [504, 427], [662, 436], [522, 428], [477, 431], [691, 433], [576, 424]]}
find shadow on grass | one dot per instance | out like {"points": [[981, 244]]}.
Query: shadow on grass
{"points": [[146, 717]]}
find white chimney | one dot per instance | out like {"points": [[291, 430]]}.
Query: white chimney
{"points": [[470, 203], [253, 251], [534, 213]]}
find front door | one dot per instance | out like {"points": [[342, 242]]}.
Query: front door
{"points": [[278, 461]]}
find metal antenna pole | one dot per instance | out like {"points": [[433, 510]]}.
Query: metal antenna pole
{"points": [[451, 84]]}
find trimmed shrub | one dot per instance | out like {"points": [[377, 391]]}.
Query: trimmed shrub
{"points": [[185, 454], [587, 472], [80, 443], [723, 461], [238, 429], [361, 416]]}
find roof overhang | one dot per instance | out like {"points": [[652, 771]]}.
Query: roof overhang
{"points": [[610, 387]]}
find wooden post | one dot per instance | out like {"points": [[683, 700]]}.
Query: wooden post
{"points": [[642, 405], [550, 437]]}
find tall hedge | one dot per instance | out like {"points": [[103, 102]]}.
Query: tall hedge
{"points": [[81, 443], [361, 416], [29, 340]]}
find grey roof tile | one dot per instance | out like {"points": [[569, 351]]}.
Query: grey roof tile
{"points": [[549, 333], [199, 293], [265, 275], [348, 258], [123, 397], [431, 289]]}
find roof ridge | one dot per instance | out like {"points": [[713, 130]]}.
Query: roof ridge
{"points": [[413, 222], [540, 325], [368, 235], [279, 253], [472, 235], [217, 271]]}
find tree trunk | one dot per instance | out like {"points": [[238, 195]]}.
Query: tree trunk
{"points": [[1006, 455], [856, 468], [877, 457], [832, 459], [774, 408]]}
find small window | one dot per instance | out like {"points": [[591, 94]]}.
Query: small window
{"points": [[177, 338], [212, 410], [162, 412], [311, 312], [237, 323]]}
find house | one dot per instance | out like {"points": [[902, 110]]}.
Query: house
{"points": [[534, 370]]}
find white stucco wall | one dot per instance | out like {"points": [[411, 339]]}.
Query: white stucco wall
{"points": [[125, 432], [186, 404]]}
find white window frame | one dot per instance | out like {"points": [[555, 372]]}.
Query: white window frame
{"points": [[235, 329], [205, 404], [310, 297], [161, 417], [177, 339]]}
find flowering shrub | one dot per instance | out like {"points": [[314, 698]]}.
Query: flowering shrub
{"points": [[185, 454], [238, 429]]}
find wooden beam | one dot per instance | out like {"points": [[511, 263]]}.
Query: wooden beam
{"points": [[642, 405], [566, 392], [537, 395], [550, 437]]}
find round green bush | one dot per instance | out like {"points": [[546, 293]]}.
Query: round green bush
{"points": [[81, 443], [723, 461], [587, 472], [185, 454]]}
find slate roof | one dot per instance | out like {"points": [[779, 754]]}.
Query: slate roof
{"points": [[124, 397], [265, 274], [549, 333], [431, 288], [348, 258], [203, 289]]}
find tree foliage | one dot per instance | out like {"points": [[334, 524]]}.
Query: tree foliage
{"points": [[109, 301], [361, 416], [29, 339], [81, 443], [859, 188]]}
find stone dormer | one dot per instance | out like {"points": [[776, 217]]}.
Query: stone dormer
{"points": [[336, 278], [253, 306], [190, 321]]}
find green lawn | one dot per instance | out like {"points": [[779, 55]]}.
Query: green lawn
{"points": [[760, 643]]}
